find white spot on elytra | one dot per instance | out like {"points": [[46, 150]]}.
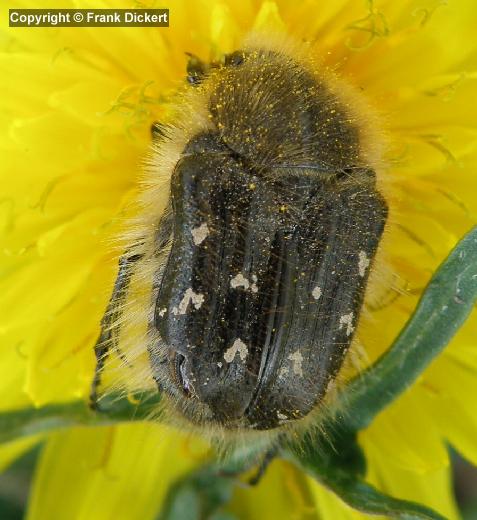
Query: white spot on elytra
{"points": [[363, 263], [239, 281], [316, 293], [189, 296], [347, 319], [238, 346], [162, 312], [297, 360], [199, 234]]}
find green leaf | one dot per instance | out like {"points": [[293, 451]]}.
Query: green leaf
{"points": [[442, 309]]}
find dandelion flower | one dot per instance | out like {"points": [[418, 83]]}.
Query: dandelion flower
{"points": [[76, 105]]}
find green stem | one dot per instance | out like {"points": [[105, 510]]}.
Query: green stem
{"points": [[31, 421]]}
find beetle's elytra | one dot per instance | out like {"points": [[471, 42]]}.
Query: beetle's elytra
{"points": [[264, 252]]}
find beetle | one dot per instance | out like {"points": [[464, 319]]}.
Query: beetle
{"points": [[259, 262]]}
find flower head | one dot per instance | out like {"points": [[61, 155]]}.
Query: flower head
{"points": [[76, 109]]}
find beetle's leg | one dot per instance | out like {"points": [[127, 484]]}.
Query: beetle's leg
{"points": [[264, 463], [158, 130], [262, 468], [109, 330]]}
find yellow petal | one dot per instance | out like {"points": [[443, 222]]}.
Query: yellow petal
{"points": [[96, 92], [433, 489], [281, 493], [109, 473], [406, 424]]}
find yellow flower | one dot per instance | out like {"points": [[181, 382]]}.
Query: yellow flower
{"points": [[76, 105]]}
